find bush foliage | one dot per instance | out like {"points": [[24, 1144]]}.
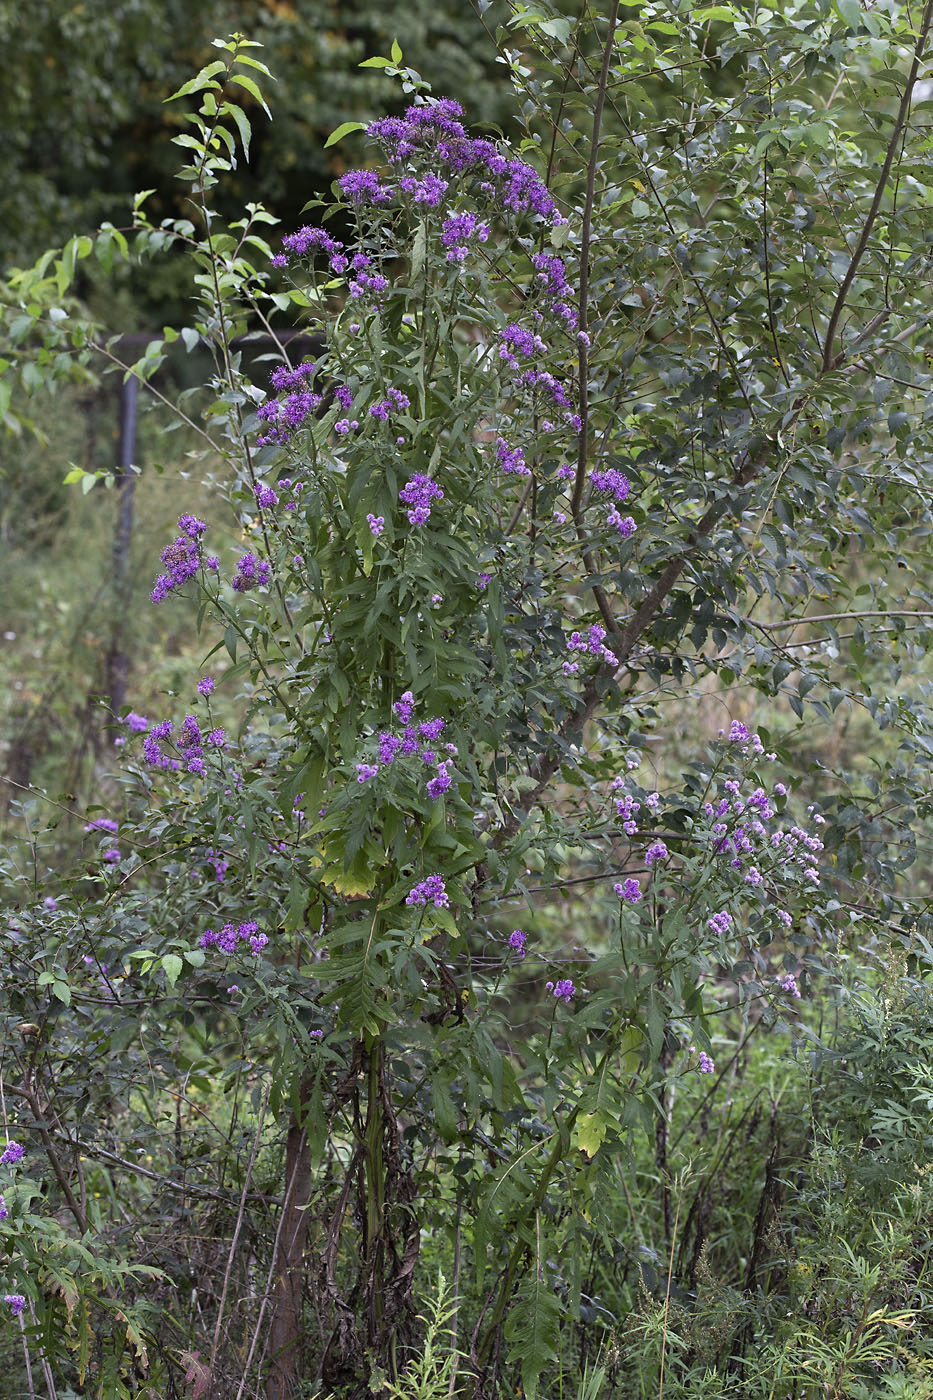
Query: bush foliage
{"points": [[446, 999]]}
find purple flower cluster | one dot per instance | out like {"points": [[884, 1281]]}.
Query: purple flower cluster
{"points": [[720, 923], [788, 983], [630, 891], [518, 340], [517, 940], [206, 686], [265, 496], [250, 573], [394, 402], [611, 482], [458, 232], [189, 743], [551, 277], [625, 524], [511, 459], [372, 282], [418, 495], [430, 890], [286, 415], [306, 241], [12, 1153], [365, 187], [428, 191], [182, 558], [739, 832], [413, 742], [564, 990], [231, 935], [4, 1211], [103, 824], [591, 643], [136, 724], [705, 1065], [554, 390], [376, 524], [655, 852], [434, 132], [16, 1303]]}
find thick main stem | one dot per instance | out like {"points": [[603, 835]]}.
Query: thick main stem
{"points": [[285, 1329]]}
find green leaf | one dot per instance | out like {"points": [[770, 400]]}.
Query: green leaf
{"points": [[62, 991], [343, 130], [204, 79], [396, 52], [589, 1133], [172, 966], [252, 88], [851, 13]]}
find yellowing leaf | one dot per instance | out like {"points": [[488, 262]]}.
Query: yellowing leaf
{"points": [[589, 1133]]}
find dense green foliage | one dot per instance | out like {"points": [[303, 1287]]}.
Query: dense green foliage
{"points": [[305, 1112]]}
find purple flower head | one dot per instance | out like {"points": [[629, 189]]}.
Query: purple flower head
{"points": [[368, 282], [517, 940], [564, 990], [654, 853], [307, 240], [388, 747], [136, 724], [217, 739], [365, 771], [103, 824], [440, 784], [344, 395], [404, 705], [431, 730], [230, 936], [630, 891], [458, 231], [365, 187], [182, 559], [428, 191], [625, 524], [50, 903], [12, 1153], [788, 983], [16, 1301], [265, 496], [518, 340], [612, 482], [250, 573], [511, 459], [206, 685], [4, 1213], [418, 495], [483, 581], [189, 736], [704, 1064], [376, 524], [430, 890], [720, 923]]}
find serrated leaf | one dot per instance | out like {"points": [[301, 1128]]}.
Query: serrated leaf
{"points": [[589, 1133]]}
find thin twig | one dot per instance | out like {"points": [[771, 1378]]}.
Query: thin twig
{"points": [[236, 1230]]}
